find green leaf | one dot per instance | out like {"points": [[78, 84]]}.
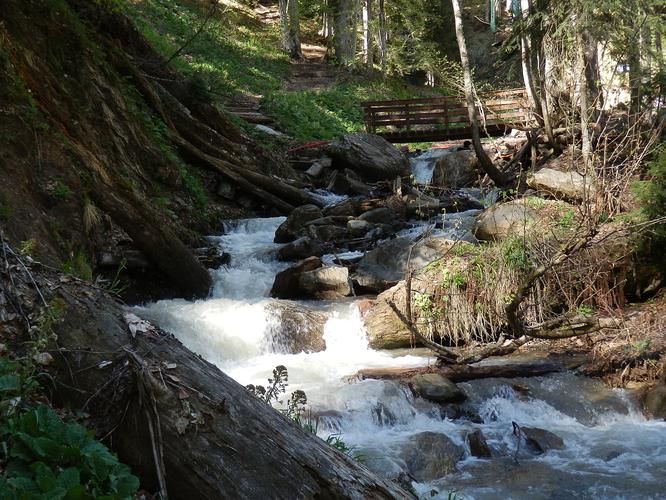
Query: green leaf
{"points": [[10, 383]]}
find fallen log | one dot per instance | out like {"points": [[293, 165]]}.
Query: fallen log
{"points": [[461, 373], [183, 426]]}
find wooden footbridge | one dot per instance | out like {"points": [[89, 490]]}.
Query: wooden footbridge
{"points": [[445, 118]]}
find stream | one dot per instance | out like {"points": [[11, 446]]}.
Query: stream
{"points": [[611, 450]]}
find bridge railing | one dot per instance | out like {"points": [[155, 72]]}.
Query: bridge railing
{"points": [[443, 117]]}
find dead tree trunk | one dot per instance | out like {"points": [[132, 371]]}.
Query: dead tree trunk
{"points": [[182, 425]]}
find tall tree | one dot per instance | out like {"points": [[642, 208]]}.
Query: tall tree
{"points": [[493, 172], [290, 26], [344, 38], [368, 45]]}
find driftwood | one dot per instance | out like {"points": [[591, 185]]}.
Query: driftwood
{"points": [[462, 373], [184, 427]]}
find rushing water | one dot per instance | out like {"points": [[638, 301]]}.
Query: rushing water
{"points": [[610, 451]]}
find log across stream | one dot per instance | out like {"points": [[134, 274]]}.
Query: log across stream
{"points": [[610, 450]]}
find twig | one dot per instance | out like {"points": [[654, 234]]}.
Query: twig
{"points": [[211, 11]]}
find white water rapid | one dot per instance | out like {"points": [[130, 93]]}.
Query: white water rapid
{"points": [[610, 451]]}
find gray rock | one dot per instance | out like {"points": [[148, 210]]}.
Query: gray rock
{"points": [[295, 328], [384, 328], [290, 229], [435, 387], [325, 283], [357, 227], [381, 215], [456, 169], [503, 220], [326, 233], [315, 170], [478, 446], [286, 284], [384, 266], [342, 183], [348, 207], [371, 156], [301, 248], [419, 204], [570, 186], [539, 441], [431, 455], [654, 402]]}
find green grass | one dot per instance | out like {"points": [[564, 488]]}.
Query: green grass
{"points": [[236, 54]]}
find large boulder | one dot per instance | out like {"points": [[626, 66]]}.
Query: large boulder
{"points": [[431, 455], [654, 402], [384, 328], [346, 182], [291, 229], [294, 328], [478, 446], [503, 220], [371, 156], [325, 283], [286, 284], [437, 388], [570, 186], [384, 266], [348, 207], [456, 169], [380, 215]]}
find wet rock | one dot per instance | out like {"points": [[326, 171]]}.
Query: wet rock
{"points": [[478, 447], [295, 328], [382, 416], [539, 441], [327, 233], [357, 227], [344, 183], [503, 220], [456, 169], [212, 257], [654, 402], [381, 215], [286, 284], [459, 412], [459, 203], [348, 207], [435, 387], [290, 229], [420, 205], [326, 283], [404, 480], [570, 186], [431, 455], [384, 266], [301, 248], [370, 156]]}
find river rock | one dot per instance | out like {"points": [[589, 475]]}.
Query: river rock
{"points": [[503, 220], [326, 232], [539, 441], [370, 156], [384, 266], [301, 248], [381, 215], [347, 207], [437, 388], [294, 328], [570, 186], [419, 204], [456, 169], [326, 283], [358, 228], [384, 328], [431, 455], [342, 182], [315, 170], [478, 446], [286, 284], [290, 229], [654, 402]]}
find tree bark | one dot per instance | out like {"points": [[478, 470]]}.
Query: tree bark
{"points": [[368, 46], [184, 427], [493, 172], [383, 37], [290, 26], [344, 38]]}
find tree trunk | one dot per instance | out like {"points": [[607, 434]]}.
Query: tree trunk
{"points": [[187, 429], [368, 46], [493, 172], [344, 38], [526, 58], [383, 38], [290, 26]]}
